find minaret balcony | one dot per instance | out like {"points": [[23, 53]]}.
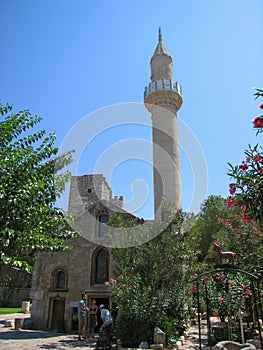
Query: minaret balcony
{"points": [[163, 84]]}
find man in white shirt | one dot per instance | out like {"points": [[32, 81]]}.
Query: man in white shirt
{"points": [[106, 318]]}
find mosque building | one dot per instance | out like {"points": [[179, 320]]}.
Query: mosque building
{"points": [[60, 278]]}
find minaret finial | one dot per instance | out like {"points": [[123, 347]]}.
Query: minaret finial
{"points": [[160, 35]]}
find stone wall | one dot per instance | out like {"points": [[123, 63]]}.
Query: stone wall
{"points": [[15, 286], [12, 277], [13, 297]]}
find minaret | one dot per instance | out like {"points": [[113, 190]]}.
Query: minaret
{"points": [[163, 98]]}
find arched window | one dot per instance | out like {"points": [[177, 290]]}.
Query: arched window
{"points": [[100, 266], [102, 218], [59, 278]]}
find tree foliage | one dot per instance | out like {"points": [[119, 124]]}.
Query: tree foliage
{"points": [[206, 226], [243, 236], [241, 230], [29, 220], [150, 281], [247, 185]]}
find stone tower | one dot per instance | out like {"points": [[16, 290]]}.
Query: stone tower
{"points": [[163, 98]]}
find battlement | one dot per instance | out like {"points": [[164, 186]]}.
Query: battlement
{"points": [[91, 188], [117, 201], [163, 84]]}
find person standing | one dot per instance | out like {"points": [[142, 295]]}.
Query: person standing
{"points": [[92, 322], [82, 314]]}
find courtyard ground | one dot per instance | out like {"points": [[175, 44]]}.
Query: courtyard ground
{"points": [[11, 339]]}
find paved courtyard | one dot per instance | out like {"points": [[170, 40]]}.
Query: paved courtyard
{"points": [[11, 339]]}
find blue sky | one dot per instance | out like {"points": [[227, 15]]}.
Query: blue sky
{"points": [[65, 60]]}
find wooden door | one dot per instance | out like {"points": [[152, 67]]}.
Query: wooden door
{"points": [[57, 323]]}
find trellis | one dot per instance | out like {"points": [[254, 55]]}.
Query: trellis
{"points": [[255, 288]]}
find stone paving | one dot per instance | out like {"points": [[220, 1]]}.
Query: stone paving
{"points": [[24, 339], [192, 339]]}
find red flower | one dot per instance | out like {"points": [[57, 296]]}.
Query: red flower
{"points": [[232, 189], [246, 218], [258, 122], [261, 106], [221, 300], [207, 278], [220, 220], [222, 278], [106, 283], [249, 293], [230, 202], [215, 313], [194, 289], [243, 166], [257, 158]]}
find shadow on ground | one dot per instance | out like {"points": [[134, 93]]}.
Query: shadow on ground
{"points": [[69, 343]]}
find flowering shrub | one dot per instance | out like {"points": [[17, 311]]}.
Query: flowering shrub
{"points": [[242, 235], [247, 187], [142, 309], [228, 295]]}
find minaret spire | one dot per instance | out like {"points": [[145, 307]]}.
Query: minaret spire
{"points": [[160, 35]]}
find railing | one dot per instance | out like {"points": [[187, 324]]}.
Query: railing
{"points": [[163, 84]]}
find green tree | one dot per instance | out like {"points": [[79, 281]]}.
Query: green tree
{"points": [[150, 285], [206, 225], [30, 222]]}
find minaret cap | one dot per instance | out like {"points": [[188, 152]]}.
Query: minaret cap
{"points": [[161, 62]]}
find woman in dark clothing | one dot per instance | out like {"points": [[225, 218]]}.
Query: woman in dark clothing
{"points": [[92, 317]]}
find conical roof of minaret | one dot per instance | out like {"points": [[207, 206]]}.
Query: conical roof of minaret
{"points": [[160, 48], [161, 62]]}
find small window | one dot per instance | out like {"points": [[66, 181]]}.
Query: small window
{"points": [[90, 190], [102, 218]]}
